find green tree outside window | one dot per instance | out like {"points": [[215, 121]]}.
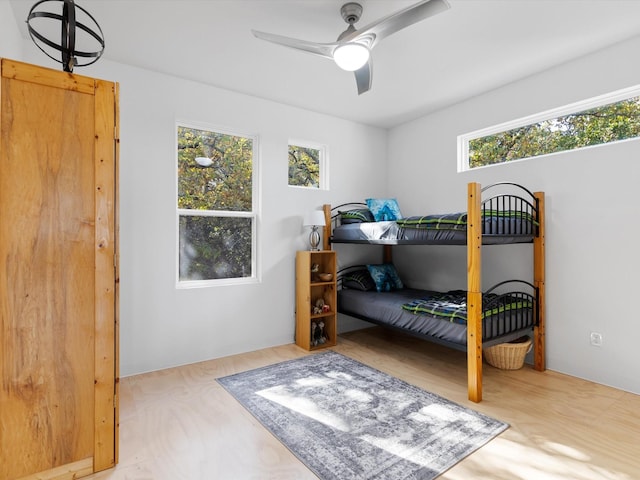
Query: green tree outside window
{"points": [[604, 124], [215, 205], [304, 166]]}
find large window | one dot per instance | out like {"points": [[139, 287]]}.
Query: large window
{"points": [[216, 206], [307, 165], [609, 118]]}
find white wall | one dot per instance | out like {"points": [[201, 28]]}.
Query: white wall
{"points": [[10, 39], [591, 204], [161, 326]]}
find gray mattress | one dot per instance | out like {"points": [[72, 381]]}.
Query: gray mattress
{"points": [[385, 308], [389, 233]]}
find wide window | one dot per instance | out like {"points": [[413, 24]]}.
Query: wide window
{"points": [[609, 118], [307, 165], [215, 206]]}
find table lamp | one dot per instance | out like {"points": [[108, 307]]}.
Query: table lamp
{"points": [[314, 219]]}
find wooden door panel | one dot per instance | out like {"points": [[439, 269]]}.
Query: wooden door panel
{"points": [[48, 284]]}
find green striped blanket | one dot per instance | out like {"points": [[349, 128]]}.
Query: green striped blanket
{"points": [[458, 221], [452, 305]]}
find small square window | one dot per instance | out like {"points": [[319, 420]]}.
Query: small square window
{"points": [[307, 165]]}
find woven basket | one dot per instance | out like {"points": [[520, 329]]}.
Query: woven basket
{"points": [[508, 356]]}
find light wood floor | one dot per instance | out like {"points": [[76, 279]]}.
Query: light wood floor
{"points": [[180, 424]]}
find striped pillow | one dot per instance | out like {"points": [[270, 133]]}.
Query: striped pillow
{"points": [[358, 215], [358, 280]]}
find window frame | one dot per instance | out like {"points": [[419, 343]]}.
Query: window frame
{"points": [[572, 108], [253, 214], [323, 163]]}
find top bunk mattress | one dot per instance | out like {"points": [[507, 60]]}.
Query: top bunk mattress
{"points": [[434, 230], [506, 212]]}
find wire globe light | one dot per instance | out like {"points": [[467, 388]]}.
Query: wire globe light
{"points": [[77, 26]]}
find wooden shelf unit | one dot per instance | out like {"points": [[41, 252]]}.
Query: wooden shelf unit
{"points": [[309, 288]]}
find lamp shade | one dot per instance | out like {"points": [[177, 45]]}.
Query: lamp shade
{"points": [[314, 218], [351, 56]]}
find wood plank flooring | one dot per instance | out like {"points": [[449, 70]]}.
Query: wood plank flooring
{"points": [[180, 424]]}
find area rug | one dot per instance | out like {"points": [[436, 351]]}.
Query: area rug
{"points": [[345, 420]]}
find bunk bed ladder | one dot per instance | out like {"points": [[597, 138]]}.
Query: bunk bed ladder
{"points": [[539, 282], [474, 293], [326, 231]]}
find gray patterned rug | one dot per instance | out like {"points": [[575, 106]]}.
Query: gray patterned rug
{"points": [[346, 420]]}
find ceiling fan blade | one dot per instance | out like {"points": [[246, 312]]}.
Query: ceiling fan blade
{"points": [[321, 49], [397, 21], [363, 77]]}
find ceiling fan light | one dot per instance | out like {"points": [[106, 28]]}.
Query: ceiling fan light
{"points": [[204, 161], [351, 56]]}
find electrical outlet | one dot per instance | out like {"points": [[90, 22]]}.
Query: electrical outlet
{"points": [[596, 339]]}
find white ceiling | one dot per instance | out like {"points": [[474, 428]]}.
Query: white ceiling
{"points": [[475, 46]]}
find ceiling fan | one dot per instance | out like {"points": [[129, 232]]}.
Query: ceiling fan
{"points": [[351, 51]]}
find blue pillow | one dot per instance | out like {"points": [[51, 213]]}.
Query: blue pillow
{"points": [[384, 209], [385, 277]]}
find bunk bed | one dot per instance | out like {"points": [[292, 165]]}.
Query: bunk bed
{"points": [[502, 213]]}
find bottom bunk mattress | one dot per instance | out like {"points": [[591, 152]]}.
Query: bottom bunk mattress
{"points": [[412, 310]]}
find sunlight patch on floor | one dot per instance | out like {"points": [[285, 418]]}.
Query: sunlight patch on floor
{"points": [[280, 395], [567, 451], [509, 459], [313, 382], [399, 446]]}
